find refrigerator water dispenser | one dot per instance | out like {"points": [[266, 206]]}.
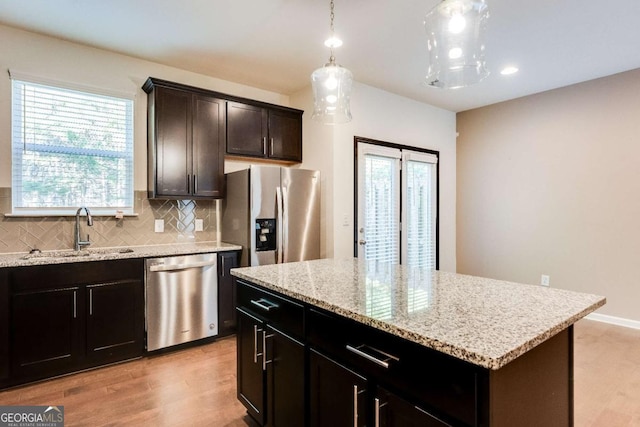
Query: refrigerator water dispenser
{"points": [[265, 235]]}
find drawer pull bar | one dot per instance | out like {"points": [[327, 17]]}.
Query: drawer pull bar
{"points": [[264, 304], [383, 363]]}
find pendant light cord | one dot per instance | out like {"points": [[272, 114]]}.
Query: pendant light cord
{"points": [[332, 15]]}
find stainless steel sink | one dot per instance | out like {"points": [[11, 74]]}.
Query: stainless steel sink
{"points": [[76, 254]]}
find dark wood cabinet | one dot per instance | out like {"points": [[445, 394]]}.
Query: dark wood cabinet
{"points": [[115, 321], [337, 395], [390, 410], [69, 317], [271, 357], [186, 143], [227, 318], [46, 326], [285, 386], [4, 324], [263, 132], [251, 376]]}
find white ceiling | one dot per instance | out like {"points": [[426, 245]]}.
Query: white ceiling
{"points": [[276, 44]]}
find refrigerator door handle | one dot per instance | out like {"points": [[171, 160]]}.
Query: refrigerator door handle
{"points": [[284, 235], [279, 224]]}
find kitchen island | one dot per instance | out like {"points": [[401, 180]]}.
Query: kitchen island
{"points": [[348, 342]]}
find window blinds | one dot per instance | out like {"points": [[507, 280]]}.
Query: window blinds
{"points": [[70, 149]]}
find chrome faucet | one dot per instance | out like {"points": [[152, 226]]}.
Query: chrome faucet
{"points": [[79, 244]]}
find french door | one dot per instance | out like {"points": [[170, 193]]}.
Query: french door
{"points": [[397, 205]]}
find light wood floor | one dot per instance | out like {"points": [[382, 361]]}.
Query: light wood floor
{"points": [[197, 386]]}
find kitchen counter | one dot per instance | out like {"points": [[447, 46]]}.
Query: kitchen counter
{"points": [[486, 322], [104, 254]]}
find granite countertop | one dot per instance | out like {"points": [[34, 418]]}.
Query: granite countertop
{"points": [[103, 254], [483, 321]]}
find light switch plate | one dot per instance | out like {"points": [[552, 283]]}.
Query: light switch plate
{"points": [[199, 224], [159, 226]]}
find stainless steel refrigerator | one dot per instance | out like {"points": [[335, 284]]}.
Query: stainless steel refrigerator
{"points": [[273, 213]]}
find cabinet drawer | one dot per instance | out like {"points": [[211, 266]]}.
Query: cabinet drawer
{"points": [[276, 310], [439, 383]]}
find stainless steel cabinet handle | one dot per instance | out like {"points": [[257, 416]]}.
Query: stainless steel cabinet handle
{"points": [[195, 184], [369, 357], [264, 349], [355, 406], [264, 304], [90, 302], [376, 414], [223, 273], [271, 146], [264, 145], [75, 304], [188, 183], [255, 344]]}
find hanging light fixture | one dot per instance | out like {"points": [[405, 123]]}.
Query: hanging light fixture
{"points": [[455, 41], [332, 86]]}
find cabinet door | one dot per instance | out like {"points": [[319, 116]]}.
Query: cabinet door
{"points": [[337, 395], [247, 130], [251, 375], [208, 146], [115, 321], [46, 335], [392, 411], [4, 324], [285, 135], [285, 380], [226, 293], [173, 142]]}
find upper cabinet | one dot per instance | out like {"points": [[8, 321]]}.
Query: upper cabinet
{"points": [[262, 132], [186, 140], [190, 130]]}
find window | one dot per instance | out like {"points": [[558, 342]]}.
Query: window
{"points": [[397, 205], [71, 148]]}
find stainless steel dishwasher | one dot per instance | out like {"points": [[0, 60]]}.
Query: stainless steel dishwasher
{"points": [[181, 299]]}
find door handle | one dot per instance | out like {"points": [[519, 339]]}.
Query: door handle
{"points": [[383, 363], [376, 414], [90, 302], [195, 184], [255, 344], [264, 145], [264, 349], [356, 392]]}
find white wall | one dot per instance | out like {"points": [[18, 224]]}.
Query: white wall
{"points": [[56, 59], [386, 117], [377, 115], [550, 184]]}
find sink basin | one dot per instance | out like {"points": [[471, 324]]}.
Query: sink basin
{"points": [[76, 254]]}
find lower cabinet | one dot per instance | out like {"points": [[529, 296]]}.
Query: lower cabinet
{"points": [[341, 397], [68, 317], [47, 332], [227, 320], [271, 358], [115, 321], [337, 395]]}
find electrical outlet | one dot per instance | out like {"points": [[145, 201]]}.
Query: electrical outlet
{"points": [[159, 226], [544, 280], [199, 224]]}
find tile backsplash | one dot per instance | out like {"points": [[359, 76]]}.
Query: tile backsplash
{"points": [[21, 234]]}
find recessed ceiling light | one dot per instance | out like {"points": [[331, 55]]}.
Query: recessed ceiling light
{"points": [[506, 71]]}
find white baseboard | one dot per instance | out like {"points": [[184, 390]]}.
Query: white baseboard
{"points": [[627, 323]]}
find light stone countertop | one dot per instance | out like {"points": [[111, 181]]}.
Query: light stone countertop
{"points": [[482, 321], [103, 254]]}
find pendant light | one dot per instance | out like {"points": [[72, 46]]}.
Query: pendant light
{"points": [[455, 42], [332, 86]]}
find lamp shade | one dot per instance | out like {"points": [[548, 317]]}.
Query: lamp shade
{"points": [[455, 42], [332, 92]]}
